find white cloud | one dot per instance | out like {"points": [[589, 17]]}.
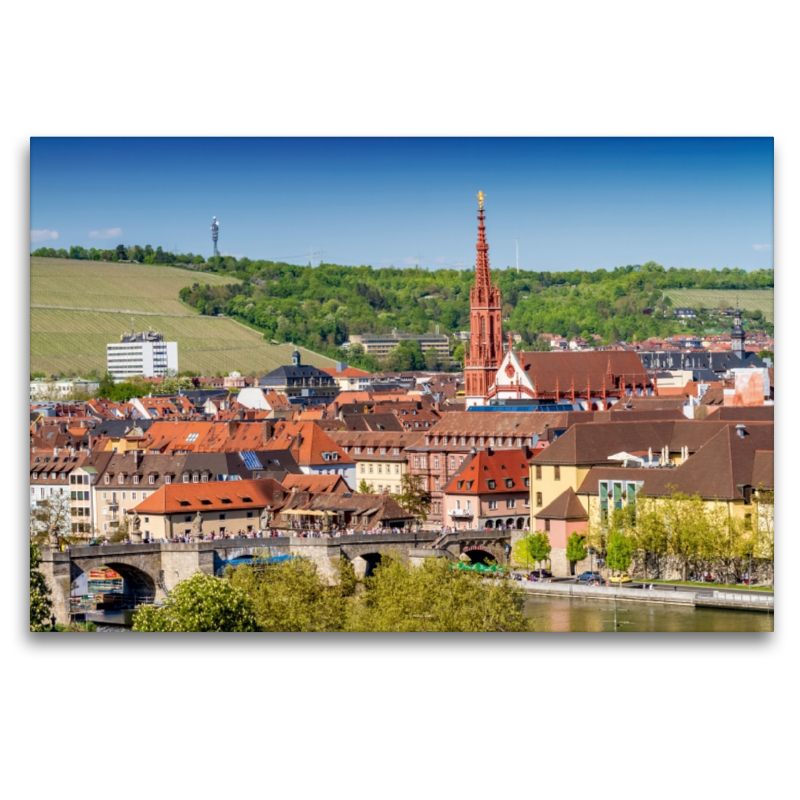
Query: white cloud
{"points": [[762, 247], [106, 233], [43, 236]]}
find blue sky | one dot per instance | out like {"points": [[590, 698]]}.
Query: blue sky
{"points": [[573, 203]]}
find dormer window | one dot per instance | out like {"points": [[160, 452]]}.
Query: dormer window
{"points": [[152, 479], [186, 478], [491, 484], [168, 479], [136, 479], [121, 479], [108, 479], [509, 483]]}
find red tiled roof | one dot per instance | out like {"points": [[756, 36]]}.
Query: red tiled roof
{"points": [[307, 441], [175, 498], [319, 484], [492, 467]]}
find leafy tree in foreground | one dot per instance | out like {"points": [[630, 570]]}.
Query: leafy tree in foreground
{"points": [[41, 604], [535, 547], [435, 597], [364, 487], [292, 596], [576, 548], [202, 603]]}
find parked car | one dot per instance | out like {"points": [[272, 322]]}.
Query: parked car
{"points": [[622, 578], [540, 573], [585, 577]]}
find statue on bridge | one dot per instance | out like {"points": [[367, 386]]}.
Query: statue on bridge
{"points": [[265, 519], [136, 529], [197, 525]]}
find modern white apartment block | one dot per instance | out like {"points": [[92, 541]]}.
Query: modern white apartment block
{"points": [[144, 354]]}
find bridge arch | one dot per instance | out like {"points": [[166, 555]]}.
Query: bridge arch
{"points": [[135, 581], [479, 554]]}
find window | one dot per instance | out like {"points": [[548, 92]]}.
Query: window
{"points": [[370, 469], [509, 483], [123, 496], [492, 484], [416, 462], [222, 516], [108, 479], [538, 472], [152, 479], [357, 451], [557, 473], [362, 468], [380, 468], [136, 479], [547, 525], [436, 462], [383, 451], [168, 479], [133, 495], [396, 451], [370, 451], [187, 519], [436, 484], [511, 503], [527, 502], [493, 505], [186, 479], [121, 479], [452, 462], [538, 499], [144, 495]]}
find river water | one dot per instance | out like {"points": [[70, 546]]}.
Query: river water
{"points": [[572, 614], [565, 614]]}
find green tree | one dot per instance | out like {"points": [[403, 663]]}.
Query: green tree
{"points": [[202, 603], [431, 359], [436, 597], [576, 548], [364, 487], [459, 354], [292, 596], [619, 552], [413, 497], [535, 547], [41, 604]]}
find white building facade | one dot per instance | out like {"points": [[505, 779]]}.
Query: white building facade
{"points": [[141, 354]]}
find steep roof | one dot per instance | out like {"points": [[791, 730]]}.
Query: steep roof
{"points": [[308, 442], [565, 506], [763, 469], [592, 443], [505, 423], [715, 471], [743, 413], [597, 369], [505, 470]]}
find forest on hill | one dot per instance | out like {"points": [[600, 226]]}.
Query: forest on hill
{"points": [[320, 307]]}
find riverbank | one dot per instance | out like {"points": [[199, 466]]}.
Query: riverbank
{"points": [[713, 599]]}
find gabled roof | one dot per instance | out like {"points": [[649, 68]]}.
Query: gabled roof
{"points": [[566, 506], [597, 369], [318, 484], [308, 442], [489, 471], [719, 468]]}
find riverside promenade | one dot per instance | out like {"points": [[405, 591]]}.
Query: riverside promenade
{"points": [[685, 596]]}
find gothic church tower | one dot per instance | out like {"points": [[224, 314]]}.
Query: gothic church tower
{"points": [[486, 324]]}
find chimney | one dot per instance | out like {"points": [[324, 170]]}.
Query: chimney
{"points": [[232, 425], [267, 429]]}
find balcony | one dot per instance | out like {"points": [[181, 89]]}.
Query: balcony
{"points": [[462, 513]]}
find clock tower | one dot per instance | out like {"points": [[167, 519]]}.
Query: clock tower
{"points": [[486, 324]]}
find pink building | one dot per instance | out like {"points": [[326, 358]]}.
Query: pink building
{"points": [[490, 491]]}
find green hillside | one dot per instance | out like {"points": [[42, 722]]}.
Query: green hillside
{"points": [[109, 286], [749, 299], [68, 340]]}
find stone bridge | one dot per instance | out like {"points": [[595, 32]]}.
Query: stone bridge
{"points": [[151, 570]]}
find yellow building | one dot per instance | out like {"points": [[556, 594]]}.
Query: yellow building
{"points": [[380, 456]]}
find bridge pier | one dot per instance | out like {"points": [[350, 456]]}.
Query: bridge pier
{"points": [[55, 567]]}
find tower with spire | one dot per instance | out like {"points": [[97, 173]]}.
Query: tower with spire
{"points": [[486, 324]]}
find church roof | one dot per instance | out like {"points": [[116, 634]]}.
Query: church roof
{"points": [[596, 369]]}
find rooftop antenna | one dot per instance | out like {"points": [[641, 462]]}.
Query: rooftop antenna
{"points": [[516, 242], [215, 235]]}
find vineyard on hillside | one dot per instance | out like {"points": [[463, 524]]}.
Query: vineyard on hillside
{"points": [[108, 286], [749, 300], [67, 342]]}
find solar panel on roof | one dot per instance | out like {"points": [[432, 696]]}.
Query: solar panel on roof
{"points": [[251, 460]]}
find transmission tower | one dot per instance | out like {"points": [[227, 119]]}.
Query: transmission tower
{"points": [[215, 235]]}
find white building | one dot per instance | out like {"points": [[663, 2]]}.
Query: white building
{"points": [[144, 354], [60, 390]]}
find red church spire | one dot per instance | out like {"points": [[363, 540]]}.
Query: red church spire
{"points": [[486, 325]]}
